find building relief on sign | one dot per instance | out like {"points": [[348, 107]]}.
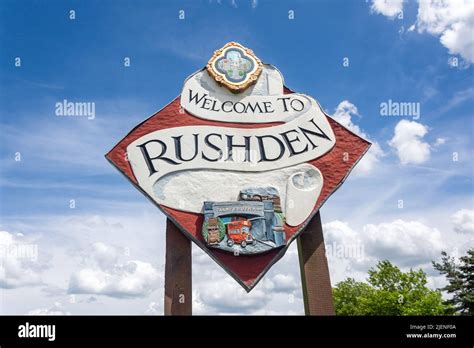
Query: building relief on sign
{"points": [[251, 225]]}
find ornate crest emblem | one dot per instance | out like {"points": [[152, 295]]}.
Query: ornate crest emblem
{"points": [[235, 67]]}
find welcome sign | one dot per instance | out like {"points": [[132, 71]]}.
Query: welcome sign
{"points": [[239, 162]]}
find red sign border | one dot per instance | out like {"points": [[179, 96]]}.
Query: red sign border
{"points": [[277, 254]]}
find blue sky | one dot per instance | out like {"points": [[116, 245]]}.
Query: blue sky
{"points": [[83, 60]]}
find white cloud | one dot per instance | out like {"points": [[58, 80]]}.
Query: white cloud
{"points": [[70, 243], [284, 283], [339, 236], [231, 298], [56, 309], [389, 8], [131, 279], [343, 114], [440, 141], [214, 292], [154, 308], [463, 221], [408, 143], [105, 255], [108, 276], [340, 232], [279, 292], [452, 21], [405, 242], [19, 264]]}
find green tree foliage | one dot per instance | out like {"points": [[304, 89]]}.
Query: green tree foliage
{"points": [[350, 297], [460, 279], [388, 291]]}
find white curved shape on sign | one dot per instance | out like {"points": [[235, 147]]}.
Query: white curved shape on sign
{"points": [[303, 190], [262, 103], [187, 190]]}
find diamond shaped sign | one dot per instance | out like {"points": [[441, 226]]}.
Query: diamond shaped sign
{"points": [[240, 170]]}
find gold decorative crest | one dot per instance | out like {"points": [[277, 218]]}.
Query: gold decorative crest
{"points": [[235, 67]]}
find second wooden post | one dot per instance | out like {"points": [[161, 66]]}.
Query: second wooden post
{"points": [[316, 283], [178, 272]]}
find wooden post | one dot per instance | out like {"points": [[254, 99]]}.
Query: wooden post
{"points": [[316, 283], [178, 272]]}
